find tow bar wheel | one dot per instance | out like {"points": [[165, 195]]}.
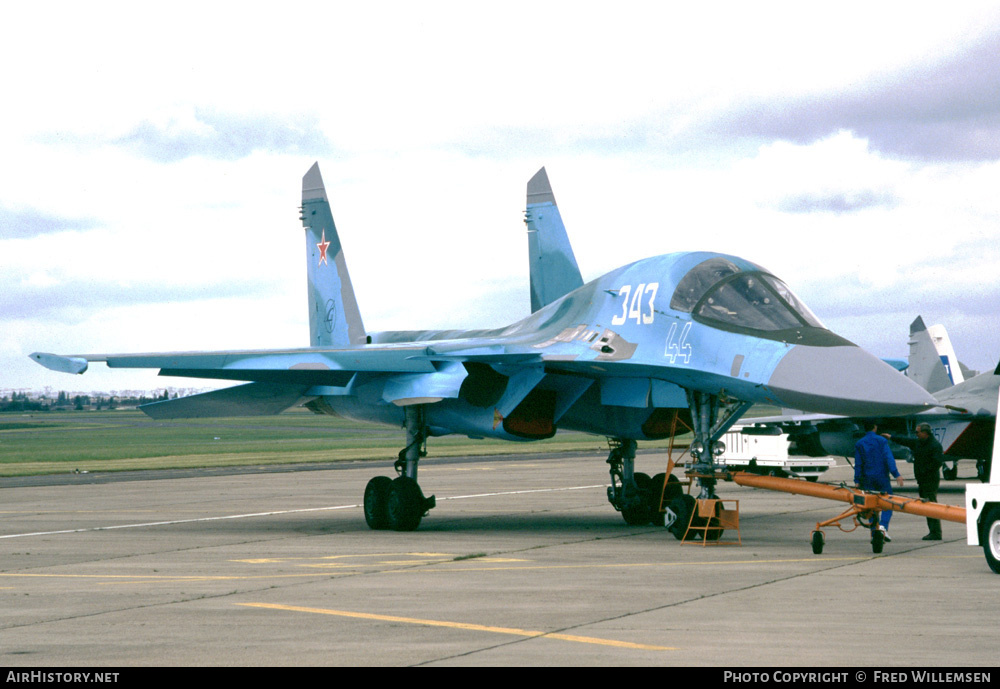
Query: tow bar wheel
{"points": [[878, 541], [818, 541]]}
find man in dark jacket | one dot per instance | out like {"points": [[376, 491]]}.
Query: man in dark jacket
{"points": [[927, 459]]}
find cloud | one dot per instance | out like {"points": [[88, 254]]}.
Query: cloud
{"points": [[223, 136], [943, 111], [40, 297], [15, 224], [840, 202]]}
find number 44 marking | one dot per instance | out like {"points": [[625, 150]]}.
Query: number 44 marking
{"points": [[677, 347]]}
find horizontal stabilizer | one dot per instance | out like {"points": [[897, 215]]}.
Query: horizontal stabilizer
{"points": [[252, 399], [416, 388]]}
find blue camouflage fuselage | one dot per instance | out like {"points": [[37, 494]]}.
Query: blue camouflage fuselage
{"points": [[613, 357]]}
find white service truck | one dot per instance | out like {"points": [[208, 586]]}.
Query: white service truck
{"points": [[768, 446]]}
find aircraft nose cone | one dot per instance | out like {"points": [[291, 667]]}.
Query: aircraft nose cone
{"points": [[847, 381]]}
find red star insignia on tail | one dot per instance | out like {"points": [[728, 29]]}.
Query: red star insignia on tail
{"points": [[323, 246]]}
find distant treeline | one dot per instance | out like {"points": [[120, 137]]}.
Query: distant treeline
{"points": [[21, 402]]}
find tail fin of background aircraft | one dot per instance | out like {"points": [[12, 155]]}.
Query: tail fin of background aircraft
{"points": [[334, 317], [933, 364], [552, 265]]}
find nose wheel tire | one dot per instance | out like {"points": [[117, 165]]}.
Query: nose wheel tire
{"points": [[682, 507], [818, 541]]}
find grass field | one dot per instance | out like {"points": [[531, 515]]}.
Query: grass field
{"points": [[123, 440]]}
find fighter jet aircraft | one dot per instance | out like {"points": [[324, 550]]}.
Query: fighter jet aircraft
{"points": [[963, 421], [696, 335]]}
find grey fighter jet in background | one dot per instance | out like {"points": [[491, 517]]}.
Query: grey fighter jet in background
{"points": [[963, 421]]}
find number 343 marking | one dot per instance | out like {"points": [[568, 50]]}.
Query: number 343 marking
{"points": [[635, 309]]}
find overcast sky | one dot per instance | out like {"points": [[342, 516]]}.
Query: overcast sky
{"points": [[151, 160]]}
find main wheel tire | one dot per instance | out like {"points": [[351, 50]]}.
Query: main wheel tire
{"points": [[671, 490], [818, 541], [639, 512], [674, 488], [377, 502], [950, 473], [405, 504], [990, 536]]}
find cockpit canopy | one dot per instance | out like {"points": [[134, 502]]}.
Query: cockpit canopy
{"points": [[719, 293]]}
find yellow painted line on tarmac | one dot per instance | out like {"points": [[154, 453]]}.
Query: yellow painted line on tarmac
{"points": [[332, 565], [273, 560], [620, 565], [419, 554], [112, 579], [462, 625], [80, 576], [429, 558]]}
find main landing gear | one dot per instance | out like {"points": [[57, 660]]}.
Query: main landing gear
{"points": [[398, 503], [635, 494], [639, 497]]}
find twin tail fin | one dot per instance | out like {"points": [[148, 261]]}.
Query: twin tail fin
{"points": [[551, 263], [334, 317]]}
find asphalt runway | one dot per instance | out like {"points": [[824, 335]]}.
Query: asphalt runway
{"points": [[523, 562]]}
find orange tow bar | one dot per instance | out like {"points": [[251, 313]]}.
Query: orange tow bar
{"points": [[864, 506]]}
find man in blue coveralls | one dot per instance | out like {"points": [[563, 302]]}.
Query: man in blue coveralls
{"points": [[873, 463]]}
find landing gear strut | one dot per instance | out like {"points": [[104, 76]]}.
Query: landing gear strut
{"points": [[398, 503], [631, 493], [711, 417]]}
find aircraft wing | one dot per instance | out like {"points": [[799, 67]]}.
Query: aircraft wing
{"points": [[426, 371], [310, 366], [276, 379]]}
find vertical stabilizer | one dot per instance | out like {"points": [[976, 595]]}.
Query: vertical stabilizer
{"points": [[552, 265], [946, 352], [933, 364], [334, 317]]}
